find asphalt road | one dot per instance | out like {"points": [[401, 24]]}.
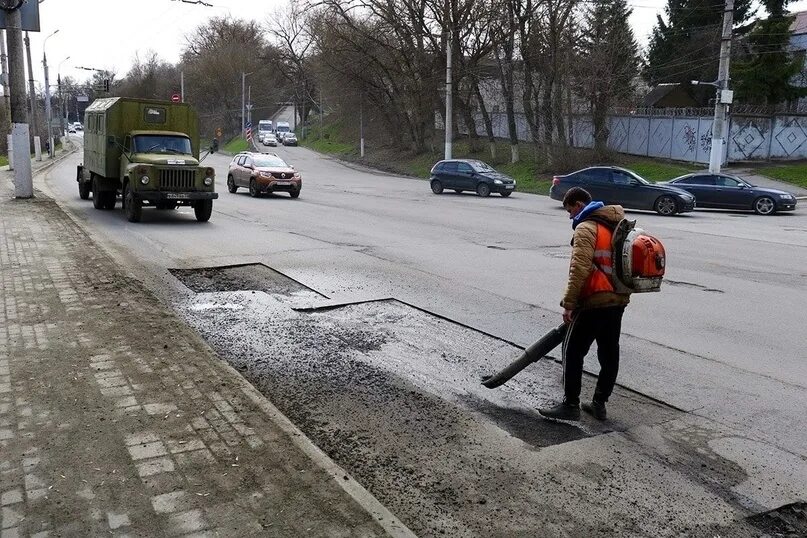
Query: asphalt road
{"points": [[722, 343]]}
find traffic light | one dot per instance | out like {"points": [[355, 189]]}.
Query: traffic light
{"points": [[106, 84]]}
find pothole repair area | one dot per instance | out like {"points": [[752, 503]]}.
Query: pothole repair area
{"points": [[277, 344], [392, 394]]}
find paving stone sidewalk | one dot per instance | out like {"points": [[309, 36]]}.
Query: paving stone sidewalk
{"points": [[116, 419]]}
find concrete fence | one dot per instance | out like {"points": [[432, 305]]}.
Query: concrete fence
{"points": [[681, 138]]}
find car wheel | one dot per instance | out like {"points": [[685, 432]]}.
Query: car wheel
{"points": [[483, 190], [203, 209], [666, 206], [231, 184], [253, 188], [295, 194], [505, 194], [764, 205], [132, 206], [84, 190], [437, 187]]}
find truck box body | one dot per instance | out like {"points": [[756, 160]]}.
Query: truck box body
{"points": [[108, 120]]}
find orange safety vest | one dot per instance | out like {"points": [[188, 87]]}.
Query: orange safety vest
{"points": [[600, 279]]}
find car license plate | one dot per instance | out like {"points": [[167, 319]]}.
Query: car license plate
{"points": [[284, 183], [177, 196], [510, 187]]}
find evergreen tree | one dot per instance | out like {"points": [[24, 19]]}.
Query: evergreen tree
{"points": [[609, 62], [765, 72], [686, 46]]}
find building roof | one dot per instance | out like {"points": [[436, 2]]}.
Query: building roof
{"points": [[658, 92], [799, 24]]}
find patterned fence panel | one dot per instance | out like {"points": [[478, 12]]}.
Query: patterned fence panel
{"points": [[659, 143], [749, 138], [638, 135], [618, 133], [704, 147], [582, 132], [684, 139], [789, 138]]}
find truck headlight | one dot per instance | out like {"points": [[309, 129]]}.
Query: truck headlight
{"points": [[208, 181], [144, 180]]}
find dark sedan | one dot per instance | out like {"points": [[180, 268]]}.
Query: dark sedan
{"points": [[614, 185], [470, 175], [723, 191]]}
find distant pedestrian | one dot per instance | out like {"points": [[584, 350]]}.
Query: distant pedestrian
{"points": [[47, 147], [590, 306], [214, 146]]}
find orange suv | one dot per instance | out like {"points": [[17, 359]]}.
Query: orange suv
{"points": [[263, 173]]}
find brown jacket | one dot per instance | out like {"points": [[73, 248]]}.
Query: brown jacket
{"points": [[582, 264]]}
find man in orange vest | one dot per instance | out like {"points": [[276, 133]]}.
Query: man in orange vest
{"points": [[590, 306]]}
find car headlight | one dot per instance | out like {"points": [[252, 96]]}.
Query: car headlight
{"points": [[786, 196], [497, 181], [208, 181], [144, 180]]}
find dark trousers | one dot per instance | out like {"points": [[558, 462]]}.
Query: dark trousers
{"points": [[602, 325]]}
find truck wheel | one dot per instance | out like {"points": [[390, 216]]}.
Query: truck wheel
{"points": [[84, 190], [109, 199], [203, 209], [133, 206], [97, 197]]}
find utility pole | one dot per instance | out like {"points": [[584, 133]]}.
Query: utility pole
{"points": [[361, 126], [182, 85], [48, 109], [449, 123], [23, 181], [4, 62], [31, 89], [320, 112], [243, 103], [723, 97]]}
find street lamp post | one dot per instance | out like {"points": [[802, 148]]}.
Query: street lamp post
{"points": [[48, 118], [244, 101], [61, 99]]}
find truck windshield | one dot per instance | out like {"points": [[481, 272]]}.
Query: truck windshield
{"points": [[175, 145], [283, 129]]}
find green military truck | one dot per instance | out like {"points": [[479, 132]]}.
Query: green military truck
{"points": [[148, 151]]}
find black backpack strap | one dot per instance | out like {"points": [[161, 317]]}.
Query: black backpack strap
{"points": [[599, 220]]}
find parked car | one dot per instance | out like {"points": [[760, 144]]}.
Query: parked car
{"points": [[724, 191], [269, 139], [614, 185], [470, 175], [290, 139], [263, 173], [71, 129]]}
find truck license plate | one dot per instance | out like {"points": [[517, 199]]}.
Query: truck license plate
{"points": [[177, 196]]}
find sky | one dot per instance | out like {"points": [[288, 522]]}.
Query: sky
{"points": [[106, 34]]}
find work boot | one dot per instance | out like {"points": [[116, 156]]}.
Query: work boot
{"points": [[562, 411], [595, 409]]}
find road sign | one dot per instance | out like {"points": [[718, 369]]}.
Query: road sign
{"points": [[29, 13], [176, 98], [248, 133]]}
